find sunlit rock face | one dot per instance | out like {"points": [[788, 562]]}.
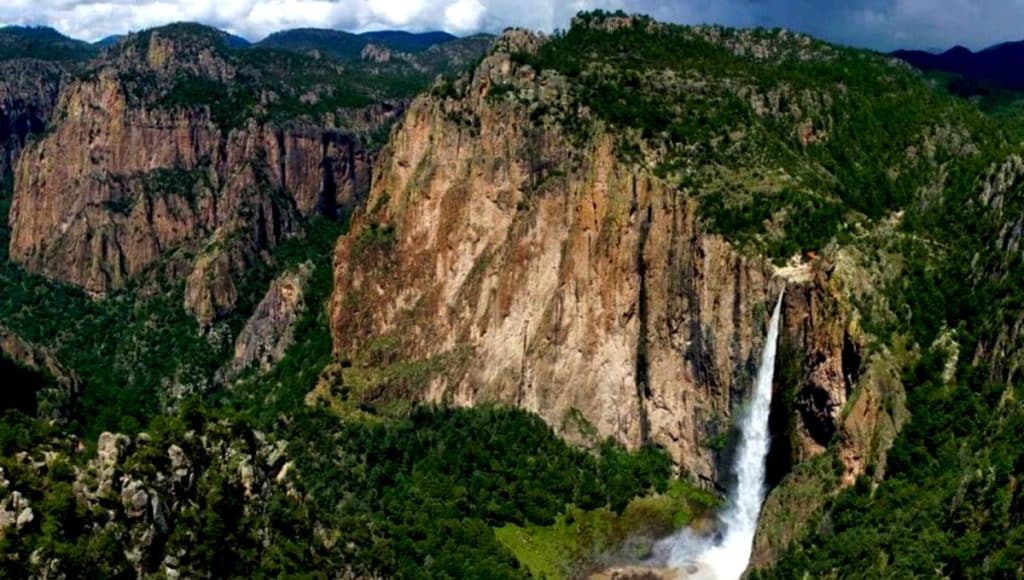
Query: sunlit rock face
{"points": [[562, 279]]}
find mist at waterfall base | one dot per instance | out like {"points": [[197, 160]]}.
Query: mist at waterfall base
{"points": [[725, 555]]}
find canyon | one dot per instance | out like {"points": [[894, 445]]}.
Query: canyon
{"points": [[310, 297]]}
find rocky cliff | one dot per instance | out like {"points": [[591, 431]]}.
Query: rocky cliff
{"points": [[133, 179], [551, 274], [591, 226], [29, 90]]}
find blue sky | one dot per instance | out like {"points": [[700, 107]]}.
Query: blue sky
{"points": [[880, 24]]}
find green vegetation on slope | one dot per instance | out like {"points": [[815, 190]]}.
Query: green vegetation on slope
{"points": [[42, 43], [583, 540], [415, 498], [951, 503], [785, 150], [422, 493], [417, 495], [132, 348]]}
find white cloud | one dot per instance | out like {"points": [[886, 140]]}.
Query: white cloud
{"points": [[266, 16], [402, 12], [465, 15], [877, 23]]}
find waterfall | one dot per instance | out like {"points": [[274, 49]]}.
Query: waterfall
{"points": [[727, 557]]}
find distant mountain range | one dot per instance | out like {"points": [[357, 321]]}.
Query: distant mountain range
{"points": [[233, 41], [42, 43], [999, 67], [346, 45], [45, 43]]}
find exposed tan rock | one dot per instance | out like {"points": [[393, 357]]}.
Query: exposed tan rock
{"points": [[14, 513], [578, 282], [374, 53], [113, 221], [121, 183]]}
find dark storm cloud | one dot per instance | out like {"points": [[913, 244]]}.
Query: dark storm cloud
{"points": [[889, 24], [882, 24]]}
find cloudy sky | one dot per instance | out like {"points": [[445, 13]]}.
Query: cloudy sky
{"points": [[880, 24]]}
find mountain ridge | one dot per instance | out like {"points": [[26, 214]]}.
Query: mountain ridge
{"points": [[992, 68], [42, 43], [44, 39]]}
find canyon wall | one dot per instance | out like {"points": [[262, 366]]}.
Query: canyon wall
{"points": [[124, 184], [555, 277]]}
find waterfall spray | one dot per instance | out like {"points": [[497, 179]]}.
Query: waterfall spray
{"points": [[727, 558]]}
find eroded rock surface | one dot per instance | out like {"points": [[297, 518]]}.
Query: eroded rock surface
{"points": [[128, 181], [579, 284]]}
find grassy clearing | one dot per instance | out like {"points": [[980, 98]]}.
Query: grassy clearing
{"points": [[583, 539]]}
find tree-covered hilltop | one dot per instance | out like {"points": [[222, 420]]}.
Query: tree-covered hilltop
{"points": [[787, 141], [348, 46], [400, 63], [288, 76], [42, 43], [190, 66]]}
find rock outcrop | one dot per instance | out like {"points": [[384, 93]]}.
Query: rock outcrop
{"points": [[271, 329], [374, 53], [569, 282], [1002, 195], [142, 494], [15, 512]]}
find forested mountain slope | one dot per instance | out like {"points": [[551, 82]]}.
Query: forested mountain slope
{"points": [[42, 43]]}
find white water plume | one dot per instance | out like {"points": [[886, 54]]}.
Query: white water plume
{"points": [[726, 556]]}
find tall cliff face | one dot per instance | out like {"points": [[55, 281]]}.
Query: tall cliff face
{"points": [[129, 179], [554, 276], [29, 91]]}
